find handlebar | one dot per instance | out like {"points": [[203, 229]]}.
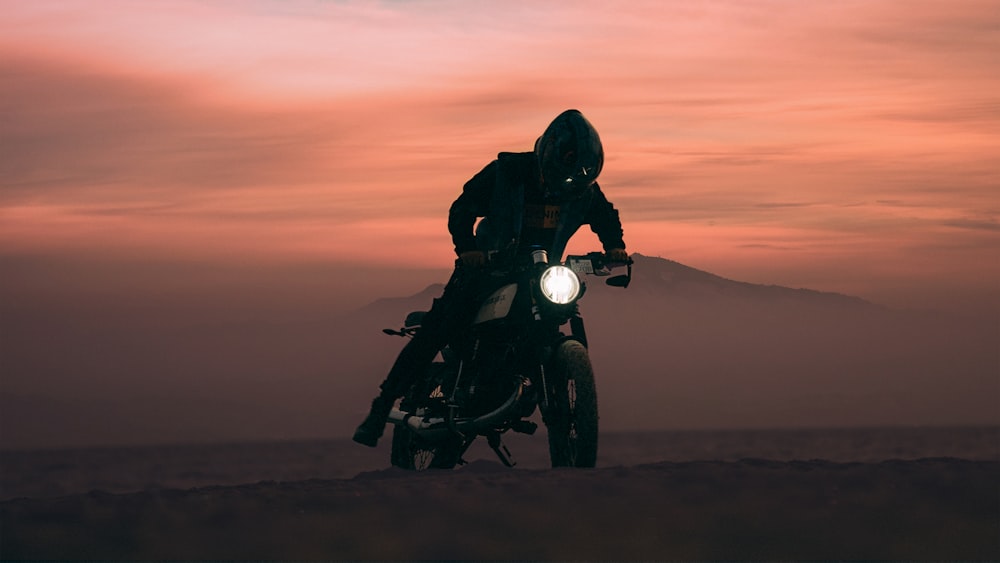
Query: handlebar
{"points": [[597, 263], [400, 332]]}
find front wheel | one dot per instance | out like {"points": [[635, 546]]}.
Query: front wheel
{"points": [[572, 415]]}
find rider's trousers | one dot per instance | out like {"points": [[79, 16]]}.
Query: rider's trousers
{"points": [[449, 315]]}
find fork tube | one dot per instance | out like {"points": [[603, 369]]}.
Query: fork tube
{"points": [[576, 327], [545, 386]]}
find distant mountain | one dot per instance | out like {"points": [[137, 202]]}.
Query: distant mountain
{"points": [[393, 310], [676, 280], [657, 281]]}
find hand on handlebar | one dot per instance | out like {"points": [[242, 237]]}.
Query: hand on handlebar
{"points": [[617, 255]]}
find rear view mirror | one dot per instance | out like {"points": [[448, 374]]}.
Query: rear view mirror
{"points": [[621, 281]]}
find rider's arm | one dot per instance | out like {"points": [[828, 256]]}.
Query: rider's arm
{"points": [[604, 221], [472, 204]]}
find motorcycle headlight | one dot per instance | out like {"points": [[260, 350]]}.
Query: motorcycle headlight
{"points": [[560, 285]]}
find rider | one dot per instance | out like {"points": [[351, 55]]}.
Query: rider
{"points": [[529, 199]]}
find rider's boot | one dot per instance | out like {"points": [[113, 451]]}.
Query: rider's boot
{"points": [[371, 429]]}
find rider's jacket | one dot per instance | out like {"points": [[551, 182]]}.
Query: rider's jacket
{"points": [[509, 196]]}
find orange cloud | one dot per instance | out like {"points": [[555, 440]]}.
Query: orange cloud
{"points": [[782, 142]]}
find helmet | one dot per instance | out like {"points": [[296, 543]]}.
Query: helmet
{"points": [[570, 155]]}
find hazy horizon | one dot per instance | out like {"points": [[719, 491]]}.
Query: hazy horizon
{"points": [[679, 349]]}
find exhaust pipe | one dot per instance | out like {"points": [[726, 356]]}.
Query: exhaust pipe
{"points": [[436, 428]]}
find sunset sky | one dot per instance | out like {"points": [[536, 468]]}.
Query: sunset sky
{"points": [[848, 146]]}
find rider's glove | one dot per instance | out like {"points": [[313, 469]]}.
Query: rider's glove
{"points": [[617, 255], [473, 258]]}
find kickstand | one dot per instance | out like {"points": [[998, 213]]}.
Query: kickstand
{"points": [[502, 452]]}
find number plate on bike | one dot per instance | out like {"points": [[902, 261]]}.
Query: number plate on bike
{"points": [[581, 266]]}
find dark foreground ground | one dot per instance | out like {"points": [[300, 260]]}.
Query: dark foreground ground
{"points": [[939, 509]]}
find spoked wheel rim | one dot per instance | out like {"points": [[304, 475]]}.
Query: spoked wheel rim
{"points": [[422, 459]]}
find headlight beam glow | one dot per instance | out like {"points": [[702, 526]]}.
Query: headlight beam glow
{"points": [[560, 285]]}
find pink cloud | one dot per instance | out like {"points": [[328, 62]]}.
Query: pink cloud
{"points": [[740, 136]]}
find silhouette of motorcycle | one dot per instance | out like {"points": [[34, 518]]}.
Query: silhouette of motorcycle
{"points": [[513, 359]]}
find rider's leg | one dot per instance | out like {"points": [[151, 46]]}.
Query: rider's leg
{"points": [[418, 353], [448, 314]]}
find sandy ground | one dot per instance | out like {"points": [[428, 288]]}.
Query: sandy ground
{"points": [[938, 509]]}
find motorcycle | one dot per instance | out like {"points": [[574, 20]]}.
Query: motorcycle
{"points": [[513, 360]]}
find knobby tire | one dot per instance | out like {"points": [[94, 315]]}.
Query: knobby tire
{"points": [[572, 420]]}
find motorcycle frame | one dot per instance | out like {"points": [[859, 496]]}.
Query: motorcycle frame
{"points": [[541, 332]]}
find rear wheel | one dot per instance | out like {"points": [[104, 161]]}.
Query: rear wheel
{"points": [[572, 416], [409, 451]]}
